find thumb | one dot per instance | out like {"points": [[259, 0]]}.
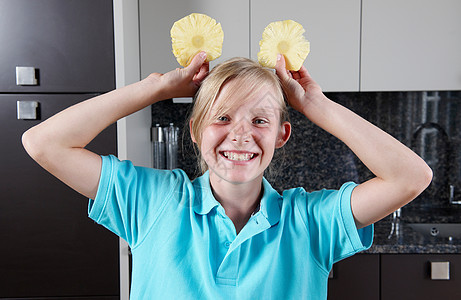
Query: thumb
{"points": [[196, 63], [280, 68]]}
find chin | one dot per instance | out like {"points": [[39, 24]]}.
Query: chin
{"points": [[236, 176]]}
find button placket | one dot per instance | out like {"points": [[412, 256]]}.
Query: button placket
{"points": [[225, 236], [228, 270]]}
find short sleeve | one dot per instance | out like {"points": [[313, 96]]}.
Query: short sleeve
{"points": [[129, 198], [331, 227]]}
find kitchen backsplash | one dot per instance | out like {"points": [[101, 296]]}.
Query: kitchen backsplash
{"points": [[427, 122]]}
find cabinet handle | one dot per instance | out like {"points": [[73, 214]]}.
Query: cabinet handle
{"points": [[26, 76], [440, 270], [27, 110]]}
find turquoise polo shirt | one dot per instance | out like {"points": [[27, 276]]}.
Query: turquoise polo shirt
{"points": [[185, 247]]}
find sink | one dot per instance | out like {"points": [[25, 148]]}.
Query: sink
{"points": [[443, 230]]}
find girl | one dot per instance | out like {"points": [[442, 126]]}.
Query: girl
{"points": [[228, 234]]}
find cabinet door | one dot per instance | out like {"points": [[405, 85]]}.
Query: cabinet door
{"points": [[408, 276], [157, 18], [355, 278], [49, 246], [69, 43], [411, 45], [333, 30]]}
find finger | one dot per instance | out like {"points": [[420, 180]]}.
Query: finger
{"points": [[305, 75], [203, 72], [280, 69], [303, 72], [196, 63], [295, 75]]}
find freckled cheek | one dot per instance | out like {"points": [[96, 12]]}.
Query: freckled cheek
{"points": [[264, 136], [211, 138], [258, 136]]}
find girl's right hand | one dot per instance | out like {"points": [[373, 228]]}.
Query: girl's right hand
{"points": [[58, 144], [180, 82]]}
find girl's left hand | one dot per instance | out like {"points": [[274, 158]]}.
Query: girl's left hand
{"points": [[400, 174], [299, 86]]}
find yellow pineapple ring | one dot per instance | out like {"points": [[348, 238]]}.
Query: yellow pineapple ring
{"points": [[195, 33], [284, 37]]}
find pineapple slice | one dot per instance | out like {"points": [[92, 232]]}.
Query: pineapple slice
{"points": [[195, 33], [284, 37]]}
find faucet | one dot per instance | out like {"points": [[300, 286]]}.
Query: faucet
{"points": [[452, 196], [395, 226], [446, 139], [396, 229]]}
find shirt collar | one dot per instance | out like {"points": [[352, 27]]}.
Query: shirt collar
{"points": [[204, 201], [270, 203]]}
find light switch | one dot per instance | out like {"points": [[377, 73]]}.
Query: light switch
{"points": [[26, 76], [440, 270], [27, 110]]}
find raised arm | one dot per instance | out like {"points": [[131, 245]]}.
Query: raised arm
{"points": [[401, 175], [58, 144]]}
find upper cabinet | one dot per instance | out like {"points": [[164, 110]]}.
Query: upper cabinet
{"points": [[157, 18], [411, 45], [356, 45], [333, 30]]}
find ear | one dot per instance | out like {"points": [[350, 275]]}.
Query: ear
{"points": [[190, 130], [284, 135]]}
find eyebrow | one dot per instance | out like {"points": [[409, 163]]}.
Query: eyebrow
{"points": [[272, 111]]}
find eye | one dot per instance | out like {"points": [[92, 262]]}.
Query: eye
{"points": [[223, 119], [260, 121]]}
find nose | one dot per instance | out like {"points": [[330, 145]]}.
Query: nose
{"points": [[241, 132]]}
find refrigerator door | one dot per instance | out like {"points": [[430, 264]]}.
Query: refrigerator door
{"points": [[56, 46], [49, 246]]}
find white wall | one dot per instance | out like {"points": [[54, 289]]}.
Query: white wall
{"points": [[133, 136]]}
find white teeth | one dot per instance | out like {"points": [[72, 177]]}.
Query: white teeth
{"points": [[238, 156]]}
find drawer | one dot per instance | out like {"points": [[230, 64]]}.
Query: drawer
{"points": [[356, 278], [420, 276]]}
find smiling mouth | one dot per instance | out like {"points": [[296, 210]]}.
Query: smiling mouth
{"points": [[237, 156]]}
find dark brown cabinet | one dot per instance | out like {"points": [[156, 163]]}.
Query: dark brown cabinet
{"points": [[409, 276], [50, 249], [356, 278], [69, 44], [396, 277], [49, 245]]}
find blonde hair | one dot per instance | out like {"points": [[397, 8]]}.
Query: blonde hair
{"points": [[252, 76]]}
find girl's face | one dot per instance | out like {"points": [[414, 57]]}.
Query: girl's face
{"points": [[239, 145]]}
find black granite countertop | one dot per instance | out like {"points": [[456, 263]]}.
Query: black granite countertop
{"points": [[409, 241], [414, 249]]}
